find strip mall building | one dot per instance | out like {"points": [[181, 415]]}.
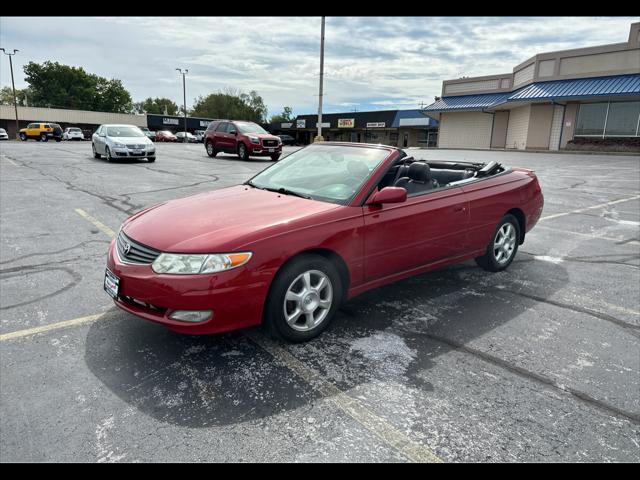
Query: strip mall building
{"points": [[547, 101]]}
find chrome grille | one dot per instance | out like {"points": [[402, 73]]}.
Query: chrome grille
{"points": [[270, 143], [136, 253], [136, 146]]}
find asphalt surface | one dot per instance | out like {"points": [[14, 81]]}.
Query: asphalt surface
{"points": [[538, 363]]}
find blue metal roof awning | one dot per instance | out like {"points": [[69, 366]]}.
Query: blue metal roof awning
{"points": [[467, 102], [618, 85], [584, 87]]}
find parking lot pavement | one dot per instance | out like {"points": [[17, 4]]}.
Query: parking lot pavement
{"points": [[537, 363]]}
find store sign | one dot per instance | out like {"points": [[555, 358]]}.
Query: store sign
{"points": [[376, 124], [170, 121], [204, 123], [286, 125], [324, 124], [301, 123], [346, 122]]}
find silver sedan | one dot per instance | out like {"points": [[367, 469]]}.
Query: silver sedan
{"points": [[122, 141]]}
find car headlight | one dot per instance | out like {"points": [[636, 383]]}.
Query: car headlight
{"points": [[119, 145], [255, 140], [185, 264]]}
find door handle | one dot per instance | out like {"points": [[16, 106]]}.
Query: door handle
{"points": [[460, 209]]}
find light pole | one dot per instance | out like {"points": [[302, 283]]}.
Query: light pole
{"points": [[184, 92], [319, 137], [15, 100]]}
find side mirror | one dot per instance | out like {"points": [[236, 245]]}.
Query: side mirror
{"points": [[233, 132], [388, 195]]}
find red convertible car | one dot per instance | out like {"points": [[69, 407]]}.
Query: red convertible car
{"points": [[324, 224]]}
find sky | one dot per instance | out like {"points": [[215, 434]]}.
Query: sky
{"points": [[371, 63]]}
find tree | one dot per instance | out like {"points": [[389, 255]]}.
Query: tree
{"points": [[23, 96], [160, 106], [55, 85], [231, 104], [285, 116]]}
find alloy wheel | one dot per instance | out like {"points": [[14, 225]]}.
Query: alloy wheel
{"points": [[504, 244], [308, 300]]}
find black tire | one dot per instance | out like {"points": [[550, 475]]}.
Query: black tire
{"points": [[489, 261], [107, 154], [211, 151], [95, 152], [23, 137], [58, 139], [275, 157], [151, 159], [243, 151], [44, 138], [274, 316]]}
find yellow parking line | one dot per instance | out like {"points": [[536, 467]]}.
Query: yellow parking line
{"points": [[412, 450], [580, 210], [97, 223], [53, 326]]}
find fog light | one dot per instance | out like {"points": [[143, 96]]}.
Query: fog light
{"points": [[191, 315]]}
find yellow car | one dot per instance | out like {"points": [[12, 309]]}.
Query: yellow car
{"points": [[41, 132]]}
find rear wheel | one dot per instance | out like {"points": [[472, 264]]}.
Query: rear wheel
{"points": [[243, 151], [212, 152], [503, 247], [303, 299], [95, 153]]}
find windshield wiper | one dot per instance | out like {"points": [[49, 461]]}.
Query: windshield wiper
{"points": [[286, 191]]}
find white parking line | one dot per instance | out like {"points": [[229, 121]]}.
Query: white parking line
{"points": [[580, 210], [97, 223], [53, 326], [9, 160]]}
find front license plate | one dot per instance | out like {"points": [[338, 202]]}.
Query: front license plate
{"points": [[111, 283], [271, 150], [138, 152]]}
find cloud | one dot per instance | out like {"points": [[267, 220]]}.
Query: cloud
{"points": [[371, 62]]}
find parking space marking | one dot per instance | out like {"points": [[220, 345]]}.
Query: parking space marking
{"points": [[580, 210], [412, 450], [9, 160], [97, 223], [52, 326], [621, 241]]}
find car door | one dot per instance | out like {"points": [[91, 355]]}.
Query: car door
{"points": [[33, 130], [100, 140], [426, 229]]}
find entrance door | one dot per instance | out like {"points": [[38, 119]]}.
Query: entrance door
{"points": [[405, 140]]}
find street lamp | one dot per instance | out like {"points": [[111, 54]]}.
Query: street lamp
{"points": [[319, 137], [184, 92], [15, 100]]}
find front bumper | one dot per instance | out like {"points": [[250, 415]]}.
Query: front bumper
{"points": [[130, 153], [236, 297], [262, 151]]}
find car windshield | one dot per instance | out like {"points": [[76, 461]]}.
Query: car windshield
{"points": [[332, 173], [250, 128], [124, 132]]}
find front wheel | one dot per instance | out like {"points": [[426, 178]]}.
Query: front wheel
{"points": [[303, 299], [151, 159], [212, 152], [95, 153], [107, 153], [243, 152], [275, 157], [44, 138], [503, 247]]}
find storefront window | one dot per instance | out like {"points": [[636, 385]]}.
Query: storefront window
{"points": [[591, 118], [623, 119], [620, 121]]}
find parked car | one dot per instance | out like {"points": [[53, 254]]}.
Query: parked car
{"points": [[122, 141], [186, 137], [242, 138], [151, 135], [199, 134], [87, 134], [3, 134], [327, 223], [165, 136], [287, 139], [41, 132], [72, 133]]}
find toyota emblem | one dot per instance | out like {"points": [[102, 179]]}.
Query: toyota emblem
{"points": [[127, 248]]}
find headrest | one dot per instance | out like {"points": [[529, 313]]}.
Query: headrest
{"points": [[419, 172]]}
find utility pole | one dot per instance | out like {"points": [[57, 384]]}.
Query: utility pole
{"points": [[319, 138], [15, 100], [184, 92]]}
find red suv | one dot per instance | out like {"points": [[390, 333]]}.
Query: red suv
{"points": [[244, 138]]}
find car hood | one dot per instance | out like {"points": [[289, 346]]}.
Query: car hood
{"points": [[131, 140], [221, 220]]}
